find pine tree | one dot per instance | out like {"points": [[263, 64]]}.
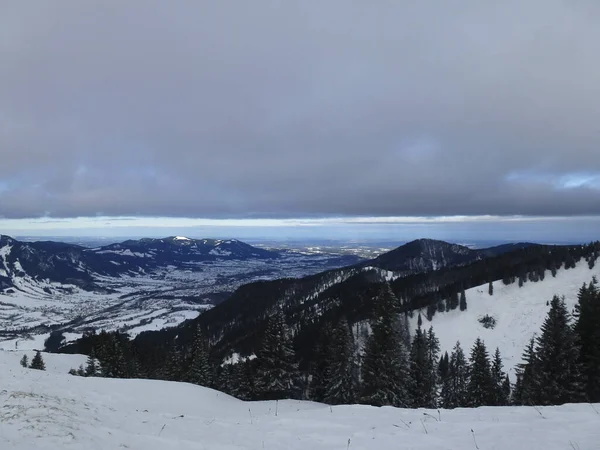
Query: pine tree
{"points": [[24, 361], [38, 362], [423, 369], [463, 301], [454, 387], [173, 370], [491, 288], [385, 369], [500, 397], [91, 368], [557, 358], [342, 373], [528, 381], [587, 330], [81, 371], [320, 367], [433, 349], [443, 366], [506, 390], [454, 301], [277, 371], [480, 387], [199, 371]]}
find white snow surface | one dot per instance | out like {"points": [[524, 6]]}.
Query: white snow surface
{"points": [[519, 313], [51, 410]]}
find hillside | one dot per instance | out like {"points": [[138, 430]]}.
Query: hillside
{"points": [[50, 410], [310, 303], [519, 312]]}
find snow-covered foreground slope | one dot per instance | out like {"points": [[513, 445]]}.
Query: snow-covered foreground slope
{"points": [[51, 410], [519, 313]]}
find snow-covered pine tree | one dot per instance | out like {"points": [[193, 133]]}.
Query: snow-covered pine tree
{"points": [[587, 330], [37, 362], [199, 371], [558, 358], [277, 370], [480, 387], [24, 361], [454, 387], [500, 398], [342, 380], [385, 373]]}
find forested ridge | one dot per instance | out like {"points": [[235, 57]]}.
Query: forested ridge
{"points": [[301, 336]]}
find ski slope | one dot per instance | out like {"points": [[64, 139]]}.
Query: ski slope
{"points": [[519, 313], [51, 410]]}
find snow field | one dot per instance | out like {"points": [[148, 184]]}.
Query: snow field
{"points": [[519, 313], [51, 410]]}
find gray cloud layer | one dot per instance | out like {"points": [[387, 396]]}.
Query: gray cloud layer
{"points": [[270, 108]]}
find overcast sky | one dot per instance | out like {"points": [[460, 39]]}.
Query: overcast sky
{"points": [[275, 109]]}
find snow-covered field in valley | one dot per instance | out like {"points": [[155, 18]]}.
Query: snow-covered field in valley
{"points": [[51, 410], [519, 313]]}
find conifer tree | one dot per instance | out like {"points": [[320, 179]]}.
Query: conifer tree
{"points": [[423, 369], [454, 301], [37, 362], [81, 371], [454, 387], [491, 288], [480, 387], [320, 367], [24, 361], [443, 366], [557, 358], [384, 370], [528, 381], [277, 369], [500, 397], [587, 330], [200, 371], [342, 373], [463, 300], [91, 369]]}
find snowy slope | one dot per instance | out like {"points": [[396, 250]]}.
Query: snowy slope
{"points": [[51, 410], [519, 313]]}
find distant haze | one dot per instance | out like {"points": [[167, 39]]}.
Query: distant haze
{"points": [[285, 110]]}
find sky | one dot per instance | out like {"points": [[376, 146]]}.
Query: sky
{"points": [[358, 117]]}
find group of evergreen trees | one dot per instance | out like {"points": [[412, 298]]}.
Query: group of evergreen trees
{"points": [[37, 362], [562, 364], [394, 369]]}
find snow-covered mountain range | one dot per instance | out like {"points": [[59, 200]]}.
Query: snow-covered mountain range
{"points": [[136, 285]]}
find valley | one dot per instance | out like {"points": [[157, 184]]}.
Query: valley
{"points": [[131, 290]]}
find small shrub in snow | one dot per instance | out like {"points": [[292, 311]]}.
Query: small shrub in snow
{"points": [[487, 321]]}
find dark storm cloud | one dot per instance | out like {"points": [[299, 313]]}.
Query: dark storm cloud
{"points": [[274, 109]]}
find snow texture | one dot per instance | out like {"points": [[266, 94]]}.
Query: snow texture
{"points": [[51, 410]]}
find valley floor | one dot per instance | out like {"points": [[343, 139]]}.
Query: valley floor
{"points": [[51, 410]]}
